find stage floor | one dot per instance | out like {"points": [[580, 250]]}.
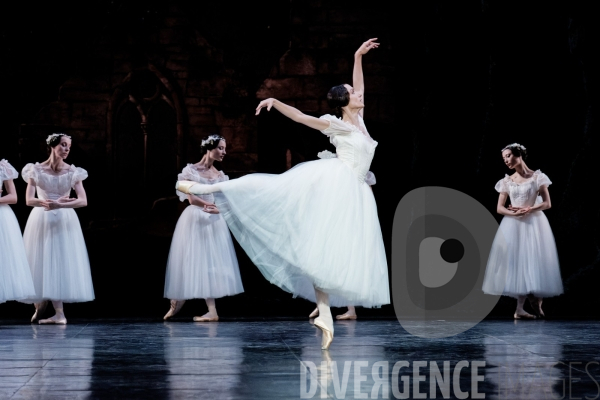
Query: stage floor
{"points": [[281, 359]]}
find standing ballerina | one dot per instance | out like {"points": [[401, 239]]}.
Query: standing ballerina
{"points": [[53, 239], [524, 250], [202, 262], [313, 230], [15, 276]]}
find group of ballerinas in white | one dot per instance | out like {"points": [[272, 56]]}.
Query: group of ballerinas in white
{"points": [[313, 230]]}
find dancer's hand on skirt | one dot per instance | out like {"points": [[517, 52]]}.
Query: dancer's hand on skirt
{"points": [[211, 209]]}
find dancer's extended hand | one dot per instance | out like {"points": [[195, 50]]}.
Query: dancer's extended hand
{"points": [[265, 103], [211, 209], [366, 46]]}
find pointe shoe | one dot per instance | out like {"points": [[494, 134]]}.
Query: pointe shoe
{"points": [[315, 313], [327, 334], [184, 186], [524, 316], [345, 316], [39, 310], [175, 307], [206, 319], [53, 321]]}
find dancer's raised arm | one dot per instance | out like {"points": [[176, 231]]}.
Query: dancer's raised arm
{"points": [[293, 113], [357, 74]]}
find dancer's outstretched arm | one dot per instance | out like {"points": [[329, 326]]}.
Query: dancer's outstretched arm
{"points": [[293, 113], [358, 81]]}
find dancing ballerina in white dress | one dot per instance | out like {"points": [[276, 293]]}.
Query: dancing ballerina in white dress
{"points": [[313, 230], [53, 239], [524, 250], [202, 262], [15, 276], [370, 180]]}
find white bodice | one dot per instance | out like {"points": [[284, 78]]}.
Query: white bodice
{"points": [[50, 186], [523, 194], [353, 147], [7, 172], [190, 173]]}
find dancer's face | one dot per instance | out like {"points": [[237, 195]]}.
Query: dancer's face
{"points": [[509, 159], [356, 100], [62, 149], [218, 153]]}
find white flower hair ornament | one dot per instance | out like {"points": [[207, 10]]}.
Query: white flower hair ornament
{"points": [[50, 138], [517, 145], [211, 140], [326, 154]]}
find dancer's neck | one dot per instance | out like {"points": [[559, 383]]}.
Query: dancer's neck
{"points": [[56, 164], [523, 170], [351, 116], [206, 162]]}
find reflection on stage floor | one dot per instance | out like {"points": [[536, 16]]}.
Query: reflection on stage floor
{"points": [[281, 359]]}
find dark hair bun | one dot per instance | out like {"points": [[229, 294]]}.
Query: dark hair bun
{"points": [[210, 142], [517, 150], [337, 98]]}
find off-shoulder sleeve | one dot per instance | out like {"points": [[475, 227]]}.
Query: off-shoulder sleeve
{"points": [[336, 127], [29, 172], [542, 179], [79, 175], [7, 172], [370, 178], [187, 174], [502, 186]]}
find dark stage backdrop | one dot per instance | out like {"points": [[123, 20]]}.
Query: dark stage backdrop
{"points": [[452, 83]]}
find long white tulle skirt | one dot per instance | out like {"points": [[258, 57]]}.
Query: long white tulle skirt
{"points": [[314, 225], [15, 277], [524, 253], [202, 262], [57, 256]]}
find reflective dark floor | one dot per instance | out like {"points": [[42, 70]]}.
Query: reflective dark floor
{"points": [[282, 360]]}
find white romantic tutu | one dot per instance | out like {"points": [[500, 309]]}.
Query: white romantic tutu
{"points": [[202, 262], [15, 277], [529, 259], [315, 224], [57, 256]]}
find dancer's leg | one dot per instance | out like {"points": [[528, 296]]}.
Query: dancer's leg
{"points": [[39, 310], [325, 319], [59, 316], [536, 304], [175, 307], [211, 315], [350, 314], [315, 313], [191, 187], [520, 313]]}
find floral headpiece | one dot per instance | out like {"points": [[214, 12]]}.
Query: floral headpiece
{"points": [[50, 138], [517, 145], [211, 140]]}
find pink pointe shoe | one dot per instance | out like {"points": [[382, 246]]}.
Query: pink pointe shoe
{"points": [[315, 313], [39, 310], [175, 307]]}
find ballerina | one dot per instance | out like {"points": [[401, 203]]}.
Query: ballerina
{"points": [[351, 312], [53, 238], [524, 249], [202, 262], [15, 276], [313, 230]]}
